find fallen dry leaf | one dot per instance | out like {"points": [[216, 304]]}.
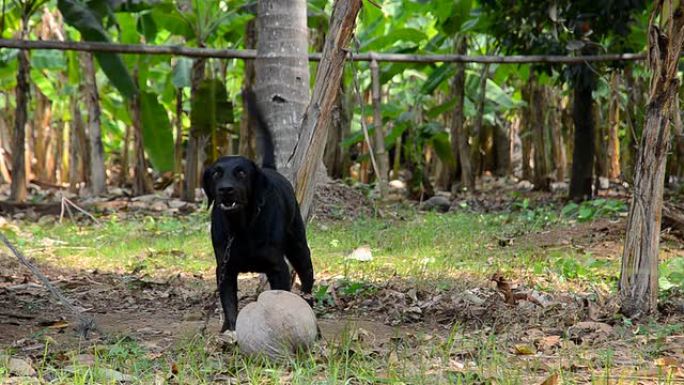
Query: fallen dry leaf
{"points": [[551, 380], [548, 342], [504, 286], [524, 349], [20, 367], [669, 362]]}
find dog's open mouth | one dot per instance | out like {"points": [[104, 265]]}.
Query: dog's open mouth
{"points": [[230, 206]]}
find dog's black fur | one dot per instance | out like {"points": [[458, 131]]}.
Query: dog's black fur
{"points": [[255, 222]]}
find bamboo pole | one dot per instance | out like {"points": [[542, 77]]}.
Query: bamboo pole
{"points": [[88, 46]]}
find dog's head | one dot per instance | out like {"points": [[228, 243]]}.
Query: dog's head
{"points": [[232, 182]]}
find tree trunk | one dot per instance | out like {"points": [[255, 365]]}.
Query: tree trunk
{"points": [[191, 152], [75, 161], [18, 188], [311, 143], [247, 146], [526, 133], [678, 128], [282, 72], [583, 149], [634, 123], [98, 177], [554, 119], [178, 146], [335, 158], [502, 144], [58, 169], [476, 150], [379, 142], [614, 128], [537, 105], [638, 284], [125, 157], [142, 184], [42, 136], [5, 176], [459, 134]]}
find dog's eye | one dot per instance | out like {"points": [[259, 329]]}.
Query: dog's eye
{"points": [[241, 174], [216, 173]]}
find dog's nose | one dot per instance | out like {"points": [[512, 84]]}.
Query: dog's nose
{"points": [[227, 190]]}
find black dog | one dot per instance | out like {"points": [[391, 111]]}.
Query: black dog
{"points": [[255, 222]]}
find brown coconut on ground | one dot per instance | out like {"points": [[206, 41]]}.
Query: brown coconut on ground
{"points": [[278, 324]]}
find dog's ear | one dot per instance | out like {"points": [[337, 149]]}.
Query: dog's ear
{"points": [[208, 185]]}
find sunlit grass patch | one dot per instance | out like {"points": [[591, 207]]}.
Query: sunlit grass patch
{"points": [[420, 248]]}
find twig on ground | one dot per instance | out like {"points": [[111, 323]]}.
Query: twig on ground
{"points": [[85, 322], [66, 201]]}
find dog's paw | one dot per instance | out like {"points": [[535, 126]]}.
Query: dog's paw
{"points": [[309, 299]]}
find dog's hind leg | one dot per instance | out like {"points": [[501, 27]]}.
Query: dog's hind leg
{"points": [[299, 256], [279, 277]]}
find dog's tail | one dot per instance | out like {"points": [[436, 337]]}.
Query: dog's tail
{"points": [[264, 133]]}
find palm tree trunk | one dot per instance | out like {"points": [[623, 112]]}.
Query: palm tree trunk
{"points": [[98, 177], [459, 133], [614, 127], [178, 146], [142, 184], [476, 151], [538, 128], [379, 142], [76, 153], [247, 141], [18, 190], [282, 71], [191, 152]]}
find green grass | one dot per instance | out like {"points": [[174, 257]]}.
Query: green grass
{"points": [[424, 248], [434, 251]]}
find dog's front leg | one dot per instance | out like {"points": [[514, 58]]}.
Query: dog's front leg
{"points": [[228, 296]]}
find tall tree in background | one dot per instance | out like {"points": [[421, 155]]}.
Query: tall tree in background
{"points": [[18, 188], [98, 178], [556, 27], [459, 134], [639, 275], [282, 71]]}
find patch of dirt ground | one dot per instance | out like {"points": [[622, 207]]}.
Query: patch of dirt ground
{"points": [[159, 313]]}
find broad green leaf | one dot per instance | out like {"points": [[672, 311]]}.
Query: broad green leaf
{"points": [[181, 72], [87, 23], [396, 131], [442, 145], [353, 139], [157, 132], [73, 67], [166, 16], [128, 33], [147, 27], [403, 34], [443, 108], [48, 59], [44, 84], [459, 15], [211, 109], [438, 75]]}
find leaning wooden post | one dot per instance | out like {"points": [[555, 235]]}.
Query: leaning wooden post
{"points": [[311, 143], [638, 284], [379, 146]]}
